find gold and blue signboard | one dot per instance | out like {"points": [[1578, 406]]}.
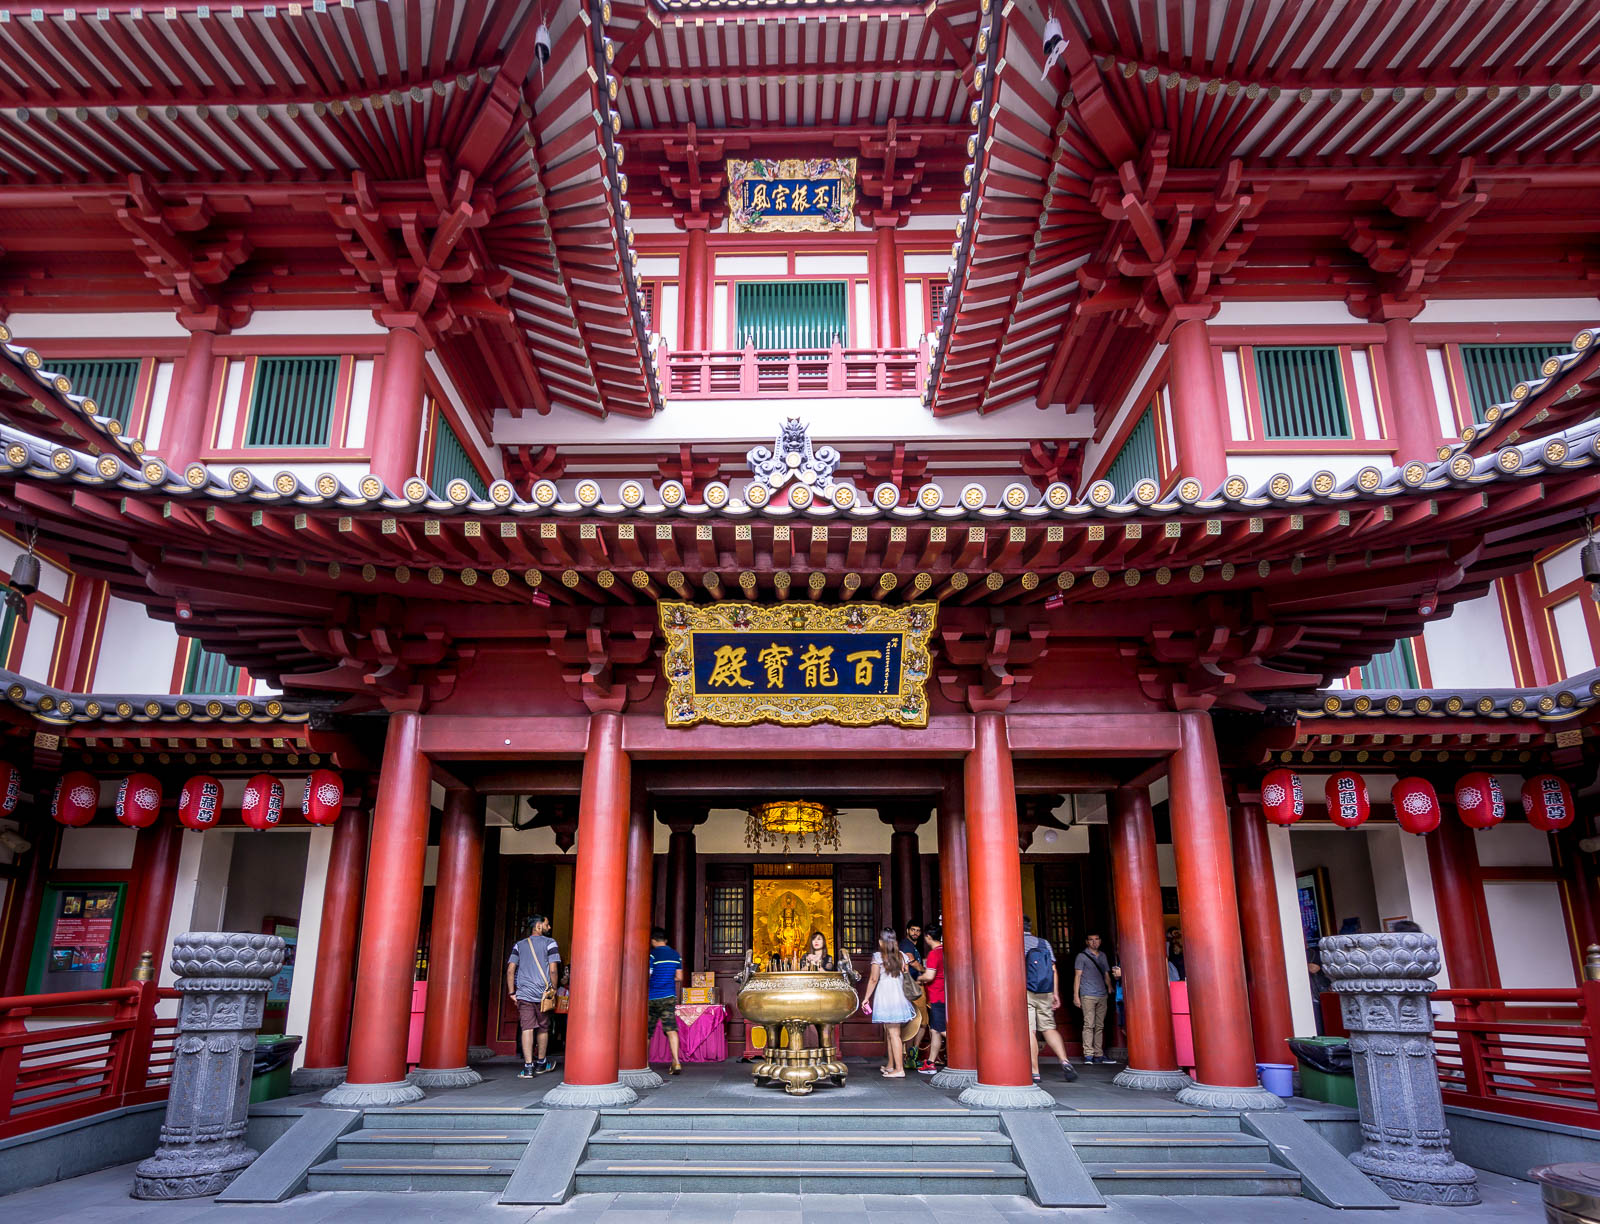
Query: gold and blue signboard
{"points": [[734, 664], [767, 196]]}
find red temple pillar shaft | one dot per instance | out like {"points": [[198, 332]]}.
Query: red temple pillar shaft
{"points": [[394, 428], [184, 436], [155, 870], [389, 921], [1142, 946], [25, 906], [598, 896], [1208, 905], [454, 941], [1582, 887], [886, 286], [635, 1038], [328, 1032], [960, 1001], [1413, 415], [697, 287], [905, 871], [680, 888], [1271, 1021], [1453, 864], [487, 965], [994, 878], [1199, 413]]}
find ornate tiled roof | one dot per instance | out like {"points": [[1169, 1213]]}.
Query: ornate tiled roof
{"points": [[1555, 399], [61, 414], [56, 707], [1559, 702]]}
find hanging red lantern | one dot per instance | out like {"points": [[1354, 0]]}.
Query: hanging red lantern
{"points": [[262, 805], [75, 799], [1416, 805], [200, 802], [1480, 802], [323, 798], [10, 787], [1348, 802], [138, 801], [1283, 799], [1547, 803]]}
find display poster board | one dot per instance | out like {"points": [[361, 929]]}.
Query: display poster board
{"points": [[76, 948], [1316, 905], [282, 981]]}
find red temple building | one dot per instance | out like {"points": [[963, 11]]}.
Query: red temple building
{"points": [[1199, 395]]}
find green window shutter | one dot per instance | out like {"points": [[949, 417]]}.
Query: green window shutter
{"points": [[1395, 670], [109, 383], [8, 633], [1139, 459], [789, 315], [1302, 391], [291, 403], [451, 462], [1493, 370], [209, 673]]}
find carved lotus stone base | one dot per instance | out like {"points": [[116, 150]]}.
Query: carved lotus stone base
{"points": [[1152, 1081], [203, 1171], [589, 1096], [317, 1079], [640, 1079], [953, 1077], [445, 1077], [479, 1054], [362, 1096], [1007, 1096], [1402, 1176], [1229, 1096]]}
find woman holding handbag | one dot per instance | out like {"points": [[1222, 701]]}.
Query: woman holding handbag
{"points": [[891, 989]]}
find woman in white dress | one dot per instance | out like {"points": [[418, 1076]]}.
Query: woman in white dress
{"points": [[887, 1003]]}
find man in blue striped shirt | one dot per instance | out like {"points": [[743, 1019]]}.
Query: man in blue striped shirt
{"points": [[666, 975]]}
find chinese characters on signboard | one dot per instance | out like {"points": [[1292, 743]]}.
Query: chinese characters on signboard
{"points": [[792, 194], [735, 664]]}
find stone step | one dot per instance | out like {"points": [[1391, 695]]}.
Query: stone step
{"points": [[410, 1174], [452, 1117], [1097, 1121], [1142, 1147], [814, 1147], [791, 1119], [803, 1177], [453, 1144], [1174, 1177]]}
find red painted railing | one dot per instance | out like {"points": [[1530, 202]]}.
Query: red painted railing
{"points": [[87, 1051], [1528, 1053], [832, 371]]}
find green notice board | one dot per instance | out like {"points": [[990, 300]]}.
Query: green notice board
{"points": [[76, 946]]}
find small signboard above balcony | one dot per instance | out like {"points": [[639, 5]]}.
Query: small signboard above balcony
{"points": [[766, 196]]}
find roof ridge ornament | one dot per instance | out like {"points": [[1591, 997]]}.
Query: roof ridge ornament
{"points": [[792, 457]]}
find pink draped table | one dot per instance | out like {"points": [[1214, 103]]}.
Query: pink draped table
{"points": [[701, 1035]]}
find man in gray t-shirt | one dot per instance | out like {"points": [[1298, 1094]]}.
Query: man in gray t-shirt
{"points": [[1092, 975], [530, 971]]}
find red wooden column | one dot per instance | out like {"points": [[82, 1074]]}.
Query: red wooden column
{"points": [[183, 436], [1413, 417], [961, 1013], [1457, 895], [454, 943], [23, 905], [697, 286], [1225, 1071], [1142, 945], [635, 1066], [905, 861], [488, 962], [381, 1015], [155, 870], [1271, 1021], [681, 875], [328, 1033], [1199, 412], [994, 877], [886, 290], [394, 426], [590, 1078]]}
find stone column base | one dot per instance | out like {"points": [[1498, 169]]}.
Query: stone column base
{"points": [[316, 1079], [479, 1054], [1152, 1081], [1451, 1183], [953, 1077], [640, 1079], [445, 1077], [360, 1096], [1229, 1096], [201, 1170], [1007, 1096], [589, 1096]]}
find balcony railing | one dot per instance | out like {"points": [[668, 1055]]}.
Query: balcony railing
{"points": [[835, 371], [88, 1051], [1528, 1053]]}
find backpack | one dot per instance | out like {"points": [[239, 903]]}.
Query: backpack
{"points": [[1038, 967]]}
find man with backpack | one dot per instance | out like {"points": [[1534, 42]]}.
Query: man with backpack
{"points": [[1044, 996]]}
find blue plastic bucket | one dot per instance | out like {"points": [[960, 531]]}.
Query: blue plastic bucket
{"points": [[1277, 1078]]}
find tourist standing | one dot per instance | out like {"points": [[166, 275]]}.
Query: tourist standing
{"points": [[530, 981], [1044, 997], [889, 1000], [1175, 954], [933, 984], [666, 976], [1092, 976]]}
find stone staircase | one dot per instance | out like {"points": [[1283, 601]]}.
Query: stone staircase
{"points": [[1175, 1151], [428, 1149]]}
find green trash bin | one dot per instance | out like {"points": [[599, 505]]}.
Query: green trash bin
{"points": [[1320, 1085], [274, 1061]]}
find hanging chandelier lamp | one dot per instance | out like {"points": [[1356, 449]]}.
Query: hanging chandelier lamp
{"points": [[775, 822]]}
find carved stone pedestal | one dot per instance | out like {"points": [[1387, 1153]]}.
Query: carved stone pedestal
{"points": [[224, 978], [1384, 983]]}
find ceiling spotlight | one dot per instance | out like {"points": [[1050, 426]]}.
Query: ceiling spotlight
{"points": [[1055, 42]]}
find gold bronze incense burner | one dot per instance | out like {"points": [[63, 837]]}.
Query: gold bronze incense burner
{"points": [[786, 1004]]}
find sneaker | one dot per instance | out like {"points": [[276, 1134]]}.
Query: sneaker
{"points": [[1067, 1073], [1108, 1060], [527, 1071], [1035, 1075], [549, 1064], [927, 1068]]}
